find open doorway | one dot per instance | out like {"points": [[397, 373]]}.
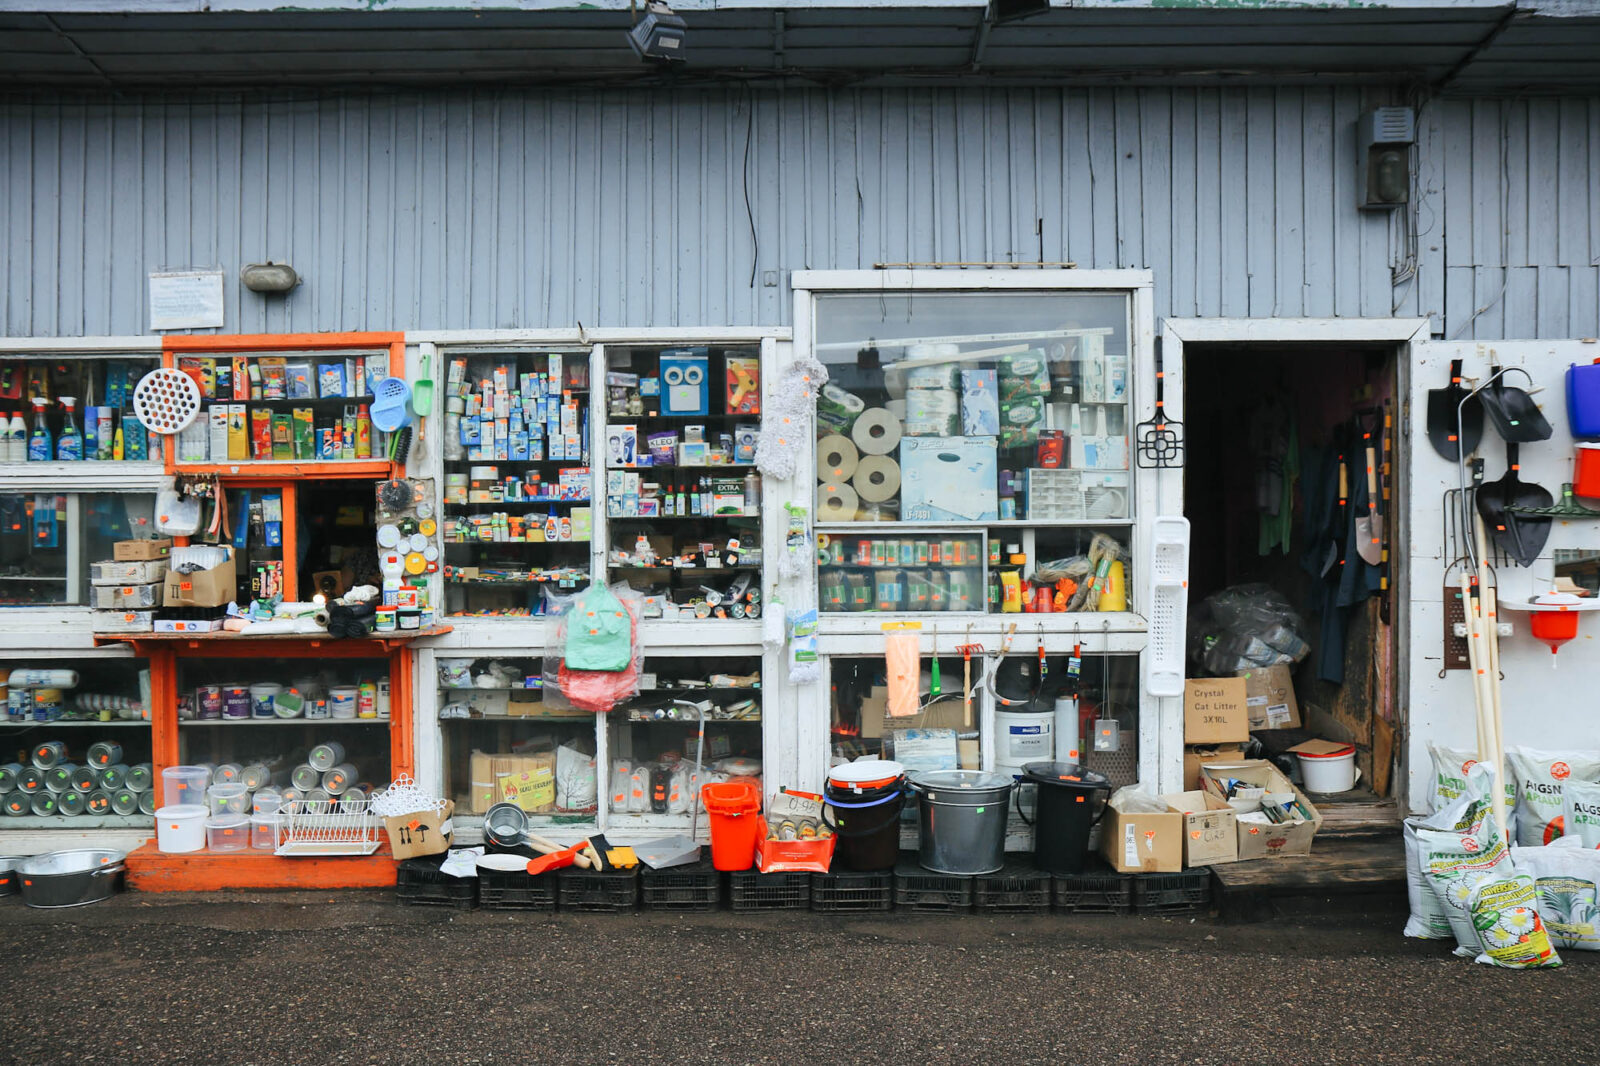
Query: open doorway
{"points": [[1290, 569]]}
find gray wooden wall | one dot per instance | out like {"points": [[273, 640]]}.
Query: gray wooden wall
{"points": [[522, 209]]}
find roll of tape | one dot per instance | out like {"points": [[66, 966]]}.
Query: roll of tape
{"points": [[824, 557], [823, 540], [836, 458], [877, 478], [876, 432], [837, 502]]}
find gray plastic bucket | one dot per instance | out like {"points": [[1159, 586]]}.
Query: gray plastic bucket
{"points": [[962, 814]]}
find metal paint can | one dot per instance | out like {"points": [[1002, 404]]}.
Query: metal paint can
{"points": [[105, 753], [324, 757], [59, 779], [208, 702], [255, 776], [341, 777], [147, 803], [318, 801], [17, 805], [49, 754], [141, 778], [114, 777], [44, 804], [84, 779], [124, 801], [227, 774], [30, 782], [99, 802], [235, 699], [8, 776], [306, 777], [71, 804]]}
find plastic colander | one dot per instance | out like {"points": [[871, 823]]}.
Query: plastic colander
{"points": [[390, 404]]}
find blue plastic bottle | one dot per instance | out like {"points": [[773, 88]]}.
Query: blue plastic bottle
{"points": [[40, 441], [70, 444]]}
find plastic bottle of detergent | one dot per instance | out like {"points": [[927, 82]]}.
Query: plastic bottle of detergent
{"points": [[70, 444], [17, 439], [39, 443]]}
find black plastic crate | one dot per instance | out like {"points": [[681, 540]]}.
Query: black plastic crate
{"points": [[1178, 893], [1098, 890], [695, 886], [852, 892], [604, 891], [916, 889], [420, 883], [1013, 889], [516, 890], [752, 891]]}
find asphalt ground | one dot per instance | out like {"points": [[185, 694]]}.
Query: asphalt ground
{"points": [[356, 978]]}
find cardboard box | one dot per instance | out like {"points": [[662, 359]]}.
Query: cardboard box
{"points": [[1143, 843], [125, 597], [1259, 839], [422, 833], [1197, 756], [123, 621], [134, 572], [1210, 828], [945, 714], [1214, 711], [205, 588], [132, 550], [1269, 697]]}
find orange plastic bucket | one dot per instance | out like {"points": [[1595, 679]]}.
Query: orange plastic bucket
{"points": [[734, 811]]}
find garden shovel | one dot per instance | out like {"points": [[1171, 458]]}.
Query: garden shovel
{"points": [[1442, 405], [1519, 536], [1369, 527]]}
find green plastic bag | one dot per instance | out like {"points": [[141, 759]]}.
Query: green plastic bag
{"points": [[599, 634]]}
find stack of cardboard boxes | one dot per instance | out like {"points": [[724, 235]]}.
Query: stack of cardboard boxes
{"points": [[126, 589]]}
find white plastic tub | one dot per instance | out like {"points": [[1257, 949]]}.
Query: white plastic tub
{"points": [[181, 828], [1333, 772]]}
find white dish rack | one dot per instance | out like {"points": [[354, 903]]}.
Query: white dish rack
{"points": [[336, 827]]}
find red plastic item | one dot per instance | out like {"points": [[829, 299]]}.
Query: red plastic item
{"points": [[794, 856], [734, 811], [1586, 471], [1555, 628]]}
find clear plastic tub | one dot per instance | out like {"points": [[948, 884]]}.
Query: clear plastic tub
{"points": [[227, 832], [264, 831], [228, 799], [184, 786], [266, 801]]}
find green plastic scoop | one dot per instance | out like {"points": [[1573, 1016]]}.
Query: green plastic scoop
{"points": [[422, 396]]}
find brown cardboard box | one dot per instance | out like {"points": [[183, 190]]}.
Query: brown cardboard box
{"points": [[133, 550], [1259, 839], [1196, 756], [1143, 843], [945, 714], [1214, 711], [423, 833], [205, 588], [1210, 828], [1269, 697]]}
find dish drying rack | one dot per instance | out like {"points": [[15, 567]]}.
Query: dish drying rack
{"points": [[327, 828]]}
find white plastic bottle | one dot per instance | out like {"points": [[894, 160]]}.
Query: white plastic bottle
{"points": [[17, 439]]}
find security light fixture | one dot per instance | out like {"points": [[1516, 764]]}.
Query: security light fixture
{"points": [[1384, 137], [269, 277], [1001, 11], [659, 35]]}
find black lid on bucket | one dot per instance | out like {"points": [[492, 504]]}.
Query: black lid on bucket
{"points": [[1066, 774]]}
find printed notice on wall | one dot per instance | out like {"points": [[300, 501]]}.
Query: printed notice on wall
{"points": [[185, 299]]}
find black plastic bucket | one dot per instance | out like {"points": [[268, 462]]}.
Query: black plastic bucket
{"points": [[1070, 801], [868, 831]]}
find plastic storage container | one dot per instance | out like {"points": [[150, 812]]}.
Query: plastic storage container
{"points": [[1586, 471], [228, 799], [264, 831], [227, 832], [266, 801], [734, 809], [181, 828], [1069, 801], [184, 786], [263, 699], [1583, 400]]}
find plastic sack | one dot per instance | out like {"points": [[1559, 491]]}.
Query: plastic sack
{"points": [[577, 788], [1429, 920], [1253, 609], [177, 515], [1449, 780], [1580, 812], [1566, 883], [599, 633], [1454, 860], [1131, 799], [1540, 777], [904, 670], [455, 673], [1508, 925], [591, 690]]}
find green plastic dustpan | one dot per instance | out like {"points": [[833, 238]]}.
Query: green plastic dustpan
{"points": [[422, 396]]}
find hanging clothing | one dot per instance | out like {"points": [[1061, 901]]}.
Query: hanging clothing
{"points": [[1341, 578], [1275, 444]]}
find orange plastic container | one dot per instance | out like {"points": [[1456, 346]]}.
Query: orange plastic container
{"points": [[734, 810]]}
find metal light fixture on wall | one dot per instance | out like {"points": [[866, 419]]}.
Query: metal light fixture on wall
{"points": [[269, 277], [659, 35], [1384, 137]]}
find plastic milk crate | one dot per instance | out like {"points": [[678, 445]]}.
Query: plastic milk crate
{"points": [[693, 887], [1178, 893], [845, 892], [515, 890], [752, 891], [1098, 890], [418, 881], [608, 891], [1013, 889], [916, 889]]}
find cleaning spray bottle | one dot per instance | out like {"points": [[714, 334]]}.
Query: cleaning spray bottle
{"points": [[70, 444], [39, 443], [17, 439]]}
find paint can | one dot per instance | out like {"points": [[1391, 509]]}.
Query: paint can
{"points": [[49, 754], [17, 805], [382, 699], [84, 779], [125, 801], [341, 777], [264, 699], [147, 802], [105, 753], [235, 699], [44, 804], [8, 776], [141, 778], [255, 775], [324, 757], [226, 774], [366, 700], [341, 703], [98, 802], [30, 782], [306, 777], [112, 778], [71, 804], [59, 779], [48, 704], [208, 702]]}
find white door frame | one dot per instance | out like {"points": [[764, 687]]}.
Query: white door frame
{"points": [[1176, 332]]}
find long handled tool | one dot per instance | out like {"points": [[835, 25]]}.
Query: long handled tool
{"points": [[561, 857], [1369, 527], [967, 652]]}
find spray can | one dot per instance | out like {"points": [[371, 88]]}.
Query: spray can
{"points": [[364, 433]]}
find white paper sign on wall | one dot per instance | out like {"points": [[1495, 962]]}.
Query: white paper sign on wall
{"points": [[185, 299]]}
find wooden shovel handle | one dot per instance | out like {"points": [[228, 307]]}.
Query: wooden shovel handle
{"points": [[546, 847]]}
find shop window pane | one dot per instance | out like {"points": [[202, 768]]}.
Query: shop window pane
{"points": [[968, 407], [73, 408], [49, 540], [505, 742], [656, 752], [518, 488]]}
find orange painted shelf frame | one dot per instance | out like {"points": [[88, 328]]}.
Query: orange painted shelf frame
{"points": [[173, 347]]}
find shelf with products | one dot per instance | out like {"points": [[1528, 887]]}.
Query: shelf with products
{"points": [[49, 541], [285, 404], [55, 408], [518, 486], [658, 758], [681, 488], [504, 741]]}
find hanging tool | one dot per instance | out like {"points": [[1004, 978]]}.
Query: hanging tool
{"points": [[1386, 472], [1569, 507], [422, 396], [1369, 527], [1158, 439], [967, 651], [1509, 507], [1449, 440], [559, 858], [933, 673], [1514, 414]]}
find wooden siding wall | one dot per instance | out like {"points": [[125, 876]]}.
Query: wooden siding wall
{"points": [[522, 209]]}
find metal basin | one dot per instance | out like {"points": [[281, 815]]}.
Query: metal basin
{"points": [[69, 878], [8, 875]]}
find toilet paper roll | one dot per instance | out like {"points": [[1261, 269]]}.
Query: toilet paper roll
{"points": [[876, 432], [837, 502], [896, 408], [836, 458], [877, 478]]}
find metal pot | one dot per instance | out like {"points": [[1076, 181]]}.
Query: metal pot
{"points": [[69, 878], [8, 875]]}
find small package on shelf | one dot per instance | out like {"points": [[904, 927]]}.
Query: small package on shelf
{"points": [[133, 572], [125, 597], [124, 621]]}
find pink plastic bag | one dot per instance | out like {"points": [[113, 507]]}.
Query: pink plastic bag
{"points": [[902, 655]]}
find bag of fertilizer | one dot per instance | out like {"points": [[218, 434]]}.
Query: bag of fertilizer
{"points": [[1566, 885], [1454, 860], [1429, 920], [1540, 776], [1580, 813], [1508, 925], [1449, 782]]}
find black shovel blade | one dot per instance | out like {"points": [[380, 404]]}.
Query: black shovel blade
{"points": [[1519, 537], [1515, 416], [1442, 408]]}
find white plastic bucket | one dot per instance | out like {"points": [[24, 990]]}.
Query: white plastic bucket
{"points": [[342, 701], [1023, 737], [264, 698], [1333, 772], [181, 828]]}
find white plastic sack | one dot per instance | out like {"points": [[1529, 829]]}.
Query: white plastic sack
{"points": [[1580, 813], [1449, 781], [1429, 920], [1540, 776], [577, 788], [1566, 881], [1454, 860], [1508, 925]]}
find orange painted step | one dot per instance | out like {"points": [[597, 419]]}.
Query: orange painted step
{"points": [[150, 870]]}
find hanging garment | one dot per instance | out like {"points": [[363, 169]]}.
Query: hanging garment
{"points": [[1275, 444]]}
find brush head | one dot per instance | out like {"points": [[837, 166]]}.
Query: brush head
{"points": [[400, 445]]}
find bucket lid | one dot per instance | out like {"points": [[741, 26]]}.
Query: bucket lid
{"points": [[731, 797], [226, 821], [961, 779], [183, 810], [1064, 773], [865, 773], [1346, 750]]}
